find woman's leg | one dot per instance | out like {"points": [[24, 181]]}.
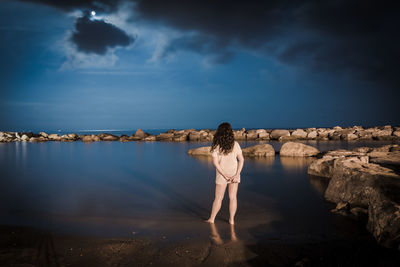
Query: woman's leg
{"points": [[219, 195], [233, 188]]}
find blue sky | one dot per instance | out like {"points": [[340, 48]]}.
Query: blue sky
{"points": [[180, 75]]}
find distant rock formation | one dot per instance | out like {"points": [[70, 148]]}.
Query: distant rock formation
{"points": [[336, 133]]}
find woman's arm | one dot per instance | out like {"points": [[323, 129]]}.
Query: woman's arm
{"points": [[240, 158], [235, 178], [219, 169]]}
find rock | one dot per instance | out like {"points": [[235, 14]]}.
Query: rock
{"points": [[109, 137], [312, 135], [322, 132], [24, 137], [72, 136], [263, 136], [95, 138], [194, 136], [384, 212], [87, 138], [364, 135], [293, 149], [322, 167], [396, 133], [44, 134], [299, 134], [251, 135], [337, 128], [200, 151], [385, 134], [180, 137], [275, 134], [309, 130], [335, 135], [239, 135], [353, 181], [342, 206], [386, 159], [263, 150], [125, 138], [139, 133], [37, 139], [150, 138], [54, 137]]}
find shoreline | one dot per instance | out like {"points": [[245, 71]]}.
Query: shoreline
{"points": [[33, 246], [387, 133]]}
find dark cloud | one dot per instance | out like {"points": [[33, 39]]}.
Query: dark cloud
{"points": [[216, 52], [68, 5], [352, 36], [358, 37], [96, 36]]}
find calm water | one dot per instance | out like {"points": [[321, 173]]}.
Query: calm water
{"points": [[152, 188]]}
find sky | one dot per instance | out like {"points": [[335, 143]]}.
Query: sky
{"points": [[129, 64]]}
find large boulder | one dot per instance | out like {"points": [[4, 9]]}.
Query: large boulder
{"points": [[87, 138], [240, 134], [109, 137], [264, 136], [194, 136], [252, 134], [263, 150], [294, 149], [200, 151], [275, 134], [299, 134], [165, 136], [140, 133], [312, 135], [353, 181], [54, 137]]}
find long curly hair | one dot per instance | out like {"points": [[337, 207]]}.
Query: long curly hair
{"points": [[223, 138]]}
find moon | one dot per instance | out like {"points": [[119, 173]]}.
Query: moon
{"points": [[93, 13]]}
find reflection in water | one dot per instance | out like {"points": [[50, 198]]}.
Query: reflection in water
{"points": [[295, 163], [229, 253], [216, 237], [264, 161], [319, 183]]}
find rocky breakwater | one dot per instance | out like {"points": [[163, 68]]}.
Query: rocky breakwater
{"points": [[365, 184], [336, 133]]}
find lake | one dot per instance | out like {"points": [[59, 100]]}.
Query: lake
{"points": [[155, 189]]}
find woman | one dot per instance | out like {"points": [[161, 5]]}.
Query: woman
{"points": [[228, 161]]}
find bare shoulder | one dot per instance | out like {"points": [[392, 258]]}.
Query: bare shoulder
{"points": [[237, 144]]}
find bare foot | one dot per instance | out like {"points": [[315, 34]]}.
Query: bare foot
{"points": [[210, 221]]}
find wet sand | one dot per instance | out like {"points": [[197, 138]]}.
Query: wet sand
{"points": [[24, 246]]}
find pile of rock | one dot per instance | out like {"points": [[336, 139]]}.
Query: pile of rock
{"points": [[365, 183], [336, 133]]}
